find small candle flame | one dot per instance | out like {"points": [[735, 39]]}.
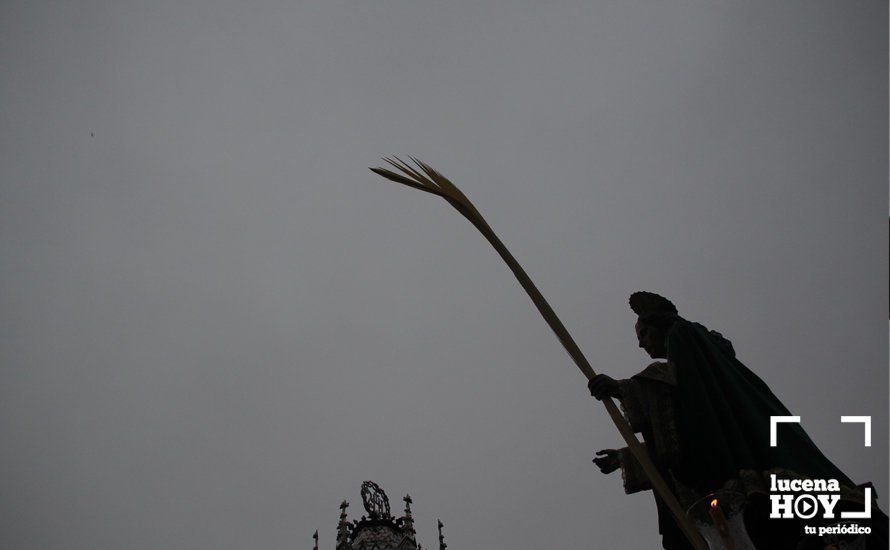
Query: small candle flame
{"points": [[714, 504]]}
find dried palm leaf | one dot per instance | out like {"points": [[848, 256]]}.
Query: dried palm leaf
{"points": [[427, 179]]}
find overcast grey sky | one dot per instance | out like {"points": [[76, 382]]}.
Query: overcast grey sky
{"points": [[216, 322]]}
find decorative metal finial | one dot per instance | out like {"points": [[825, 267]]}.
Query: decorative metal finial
{"points": [[375, 500], [442, 545], [315, 536], [343, 527], [407, 521]]}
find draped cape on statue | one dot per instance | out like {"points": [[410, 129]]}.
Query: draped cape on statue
{"points": [[723, 417]]}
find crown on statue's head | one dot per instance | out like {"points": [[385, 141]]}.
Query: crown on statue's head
{"points": [[643, 303]]}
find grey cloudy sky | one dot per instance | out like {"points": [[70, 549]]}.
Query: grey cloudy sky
{"points": [[217, 322]]}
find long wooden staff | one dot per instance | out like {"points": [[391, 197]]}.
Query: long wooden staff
{"points": [[427, 179]]}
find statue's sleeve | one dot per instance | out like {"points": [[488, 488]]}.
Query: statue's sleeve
{"points": [[648, 404], [645, 392], [633, 404], [635, 479]]}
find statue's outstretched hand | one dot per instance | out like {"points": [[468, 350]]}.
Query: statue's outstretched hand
{"points": [[608, 461], [602, 386]]}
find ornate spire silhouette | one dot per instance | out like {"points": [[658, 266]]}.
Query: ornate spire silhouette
{"points": [[315, 536], [379, 529], [343, 529], [442, 544], [407, 520]]}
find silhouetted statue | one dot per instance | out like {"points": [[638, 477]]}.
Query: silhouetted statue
{"points": [[705, 420]]}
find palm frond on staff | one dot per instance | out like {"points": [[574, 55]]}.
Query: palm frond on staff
{"points": [[429, 180], [425, 178]]}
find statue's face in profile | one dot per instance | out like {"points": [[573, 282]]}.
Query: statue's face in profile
{"points": [[652, 339]]}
